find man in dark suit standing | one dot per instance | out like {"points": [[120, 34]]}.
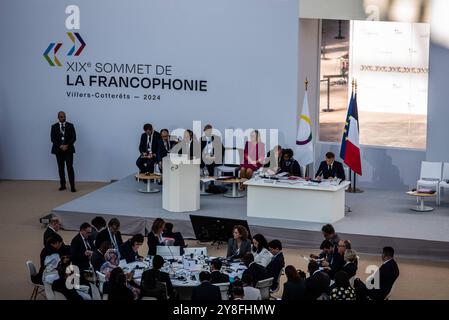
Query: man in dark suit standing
{"points": [[212, 150], [206, 291], [81, 247], [330, 168], [150, 142], [276, 264], [216, 276], [257, 271], [317, 283], [63, 137]]}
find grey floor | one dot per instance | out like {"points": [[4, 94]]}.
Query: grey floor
{"points": [[380, 213]]}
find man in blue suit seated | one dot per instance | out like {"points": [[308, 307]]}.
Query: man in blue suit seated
{"points": [[330, 168], [206, 291]]}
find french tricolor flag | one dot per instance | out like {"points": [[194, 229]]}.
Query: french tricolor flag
{"points": [[351, 148]]}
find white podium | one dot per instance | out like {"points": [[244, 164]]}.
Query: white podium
{"points": [[181, 184]]}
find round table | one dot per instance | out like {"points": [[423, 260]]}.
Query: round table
{"points": [[203, 182], [148, 178], [421, 197], [235, 184]]}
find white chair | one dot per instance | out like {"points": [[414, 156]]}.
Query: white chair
{"points": [[95, 292], [264, 287], [224, 289], [49, 293], [279, 284], [445, 179], [101, 280], [199, 251], [231, 162], [430, 177], [59, 296], [37, 288]]}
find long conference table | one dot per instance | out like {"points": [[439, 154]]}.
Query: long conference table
{"points": [[297, 200]]}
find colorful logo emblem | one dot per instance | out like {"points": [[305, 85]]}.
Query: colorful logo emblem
{"points": [[53, 49]]}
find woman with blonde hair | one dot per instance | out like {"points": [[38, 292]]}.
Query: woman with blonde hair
{"points": [[155, 236], [351, 262]]}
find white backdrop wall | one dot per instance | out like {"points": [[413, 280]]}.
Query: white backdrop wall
{"points": [[246, 50]]}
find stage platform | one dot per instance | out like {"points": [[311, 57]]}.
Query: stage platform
{"points": [[377, 218]]}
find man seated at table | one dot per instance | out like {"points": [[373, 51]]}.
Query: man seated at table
{"points": [[150, 141], [129, 250], [176, 236], [256, 271], [216, 276], [289, 165], [317, 283], [206, 291], [152, 278], [273, 159], [330, 169]]}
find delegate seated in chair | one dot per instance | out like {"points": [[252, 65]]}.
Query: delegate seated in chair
{"points": [[152, 278], [150, 142]]}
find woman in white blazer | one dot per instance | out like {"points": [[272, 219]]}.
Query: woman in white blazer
{"points": [[260, 250]]}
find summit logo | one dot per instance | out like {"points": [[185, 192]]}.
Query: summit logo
{"points": [[78, 44]]}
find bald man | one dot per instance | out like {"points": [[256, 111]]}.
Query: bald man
{"points": [[63, 137]]}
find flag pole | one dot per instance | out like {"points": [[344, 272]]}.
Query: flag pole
{"points": [[350, 189], [306, 174], [355, 189]]}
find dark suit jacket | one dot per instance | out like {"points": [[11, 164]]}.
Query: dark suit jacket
{"points": [[216, 142], [257, 271], [350, 269], [69, 137], [127, 252], [291, 166], [77, 250], [206, 291], [179, 240], [336, 171], [245, 247], [181, 145], [149, 279], [388, 273], [337, 264], [274, 268], [163, 151], [155, 144], [153, 242], [317, 284], [103, 236], [294, 291], [274, 162], [47, 234], [218, 277], [97, 260], [70, 294]]}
